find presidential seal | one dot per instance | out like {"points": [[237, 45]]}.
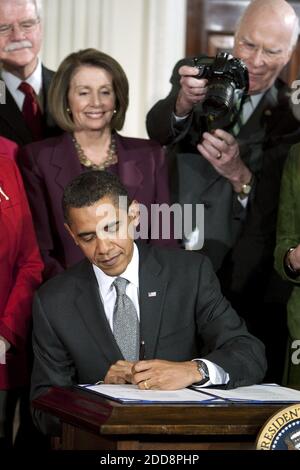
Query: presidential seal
{"points": [[281, 431]]}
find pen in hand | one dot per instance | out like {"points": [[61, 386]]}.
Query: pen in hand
{"points": [[142, 351]]}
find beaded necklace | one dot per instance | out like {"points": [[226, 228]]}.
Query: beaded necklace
{"points": [[111, 157]]}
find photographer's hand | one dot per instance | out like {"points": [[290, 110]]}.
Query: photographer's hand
{"points": [[192, 91], [222, 151]]}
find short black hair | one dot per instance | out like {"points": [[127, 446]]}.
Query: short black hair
{"points": [[90, 187]]}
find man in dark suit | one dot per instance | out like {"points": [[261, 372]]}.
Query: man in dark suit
{"points": [[219, 169], [175, 303], [247, 276], [20, 43]]}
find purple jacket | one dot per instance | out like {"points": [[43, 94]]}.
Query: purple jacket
{"points": [[49, 165]]}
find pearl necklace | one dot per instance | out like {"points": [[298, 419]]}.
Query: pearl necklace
{"points": [[111, 158]]}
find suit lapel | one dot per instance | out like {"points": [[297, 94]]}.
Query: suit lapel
{"points": [[90, 308], [130, 168], [256, 125], [69, 166], [14, 118], [152, 297], [47, 76]]}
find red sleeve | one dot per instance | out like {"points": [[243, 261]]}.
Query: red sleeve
{"points": [[8, 148], [16, 321], [41, 212]]}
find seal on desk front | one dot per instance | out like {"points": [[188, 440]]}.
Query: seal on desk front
{"points": [[281, 431]]}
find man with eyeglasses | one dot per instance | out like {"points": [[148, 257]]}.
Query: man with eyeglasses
{"points": [[221, 168], [24, 115], [218, 168]]}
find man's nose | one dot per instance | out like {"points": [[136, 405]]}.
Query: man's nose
{"points": [[16, 33], [103, 246], [257, 58]]}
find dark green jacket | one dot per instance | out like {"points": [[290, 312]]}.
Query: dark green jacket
{"points": [[288, 235]]}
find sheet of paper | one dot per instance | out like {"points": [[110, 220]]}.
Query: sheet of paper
{"points": [[131, 393], [266, 393]]}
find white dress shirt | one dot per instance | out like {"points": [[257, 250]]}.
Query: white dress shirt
{"points": [[12, 83], [108, 292], [108, 296]]}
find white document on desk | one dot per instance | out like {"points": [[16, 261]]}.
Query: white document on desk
{"points": [[132, 394], [264, 393]]}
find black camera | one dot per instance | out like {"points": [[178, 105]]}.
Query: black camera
{"points": [[225, 74]]}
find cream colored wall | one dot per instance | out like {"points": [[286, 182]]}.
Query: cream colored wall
{"points": [[147, 37]]}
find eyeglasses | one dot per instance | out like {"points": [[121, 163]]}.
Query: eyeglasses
{"points": [[25, 26], [269, 54]]}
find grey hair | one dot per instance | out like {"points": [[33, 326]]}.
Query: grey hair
{"points": [[39, 7]]}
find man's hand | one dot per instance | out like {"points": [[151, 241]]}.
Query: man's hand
{"points": [[222, 151], [164, 375], [193, 90], [119, 373], [4, 347], [294, 258]]}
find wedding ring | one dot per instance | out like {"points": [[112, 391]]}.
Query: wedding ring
{"points": [[146, 385], [219, 156]]}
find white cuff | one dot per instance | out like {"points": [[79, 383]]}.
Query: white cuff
{"points": [[217, 375]]}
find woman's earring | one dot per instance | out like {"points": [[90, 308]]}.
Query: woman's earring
{"points": [[68, 111], [115, 111]]}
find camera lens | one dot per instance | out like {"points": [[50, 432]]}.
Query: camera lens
{"points": [[219, 98]]}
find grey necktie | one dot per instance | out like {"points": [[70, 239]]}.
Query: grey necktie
{"points": [[125, 322]]}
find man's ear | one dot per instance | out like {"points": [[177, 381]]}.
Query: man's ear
{"points": [[67, 227], [134, 213]]}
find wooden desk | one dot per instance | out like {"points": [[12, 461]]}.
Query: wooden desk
{"points": [[92, 422]]}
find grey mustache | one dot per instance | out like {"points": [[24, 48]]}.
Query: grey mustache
{"points": [[13, 46]]}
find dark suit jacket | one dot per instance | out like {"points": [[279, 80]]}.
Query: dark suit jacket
{"points": [[12, 124], [48, 166], [194, 180], [188, 318], [247, 276]]}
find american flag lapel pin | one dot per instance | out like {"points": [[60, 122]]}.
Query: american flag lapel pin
{"points": [[151, 294]]}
